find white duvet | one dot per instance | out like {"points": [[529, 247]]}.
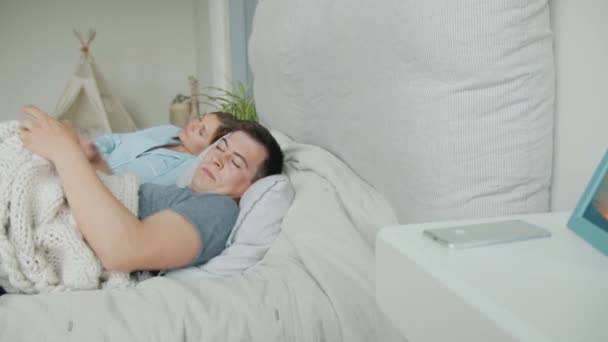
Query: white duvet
{"points": [[315, 284]]}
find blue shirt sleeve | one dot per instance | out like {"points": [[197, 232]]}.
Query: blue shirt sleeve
{"points": [[141, 153], [107, 143]]}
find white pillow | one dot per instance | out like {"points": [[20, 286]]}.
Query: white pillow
{"points": [[446, 108], [262, 208]]}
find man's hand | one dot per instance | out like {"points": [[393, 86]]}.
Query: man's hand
{"points": [[47, 137]]}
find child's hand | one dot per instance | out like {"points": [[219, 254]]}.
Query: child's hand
{"points": [[47, 137], [88, 147]]}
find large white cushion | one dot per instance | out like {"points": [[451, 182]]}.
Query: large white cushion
{"points": [[445, 107]]}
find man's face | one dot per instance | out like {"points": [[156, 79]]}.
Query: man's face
{"points": [[197, 134], [229, 167]]}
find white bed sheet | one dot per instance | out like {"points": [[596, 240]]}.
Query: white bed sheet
{"points": [[315, 283]]}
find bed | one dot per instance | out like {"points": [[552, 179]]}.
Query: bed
{"points": [[302, 290], [400, 111]]}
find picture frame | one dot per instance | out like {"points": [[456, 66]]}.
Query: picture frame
{"points": [[589, 220]]}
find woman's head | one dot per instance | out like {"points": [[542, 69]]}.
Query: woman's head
{"points": [[205, 130]]}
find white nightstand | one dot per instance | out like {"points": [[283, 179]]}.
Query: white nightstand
{"points": [[552, 289]]}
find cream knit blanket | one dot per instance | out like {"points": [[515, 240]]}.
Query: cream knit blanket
{"points": [[41, 249]]}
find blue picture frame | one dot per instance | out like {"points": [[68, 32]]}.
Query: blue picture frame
{"points": [[590, 218]]}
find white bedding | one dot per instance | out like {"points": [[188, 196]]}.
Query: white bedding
{"points": [[41, 249], [315, 283]]}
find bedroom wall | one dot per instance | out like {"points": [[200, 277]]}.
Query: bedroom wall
{"points": [[145, 49], [581, 125]]}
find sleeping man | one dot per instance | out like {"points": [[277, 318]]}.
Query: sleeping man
{"points": [[174, 227]]}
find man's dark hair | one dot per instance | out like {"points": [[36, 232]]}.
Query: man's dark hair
{"points": [[273, 164], [228, 122]]}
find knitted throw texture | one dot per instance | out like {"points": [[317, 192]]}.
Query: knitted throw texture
{"points": [[41, 248]]}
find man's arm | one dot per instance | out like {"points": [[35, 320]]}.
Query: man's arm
{"points": [[120, 240]]}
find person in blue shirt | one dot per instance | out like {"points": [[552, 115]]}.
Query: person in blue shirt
{"points": [[174, 227], [159, 154]]}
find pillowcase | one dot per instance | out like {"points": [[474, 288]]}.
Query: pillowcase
{"points": [[262, 208]]}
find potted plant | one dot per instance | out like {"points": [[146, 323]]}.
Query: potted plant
{"points": [[238, 101]]}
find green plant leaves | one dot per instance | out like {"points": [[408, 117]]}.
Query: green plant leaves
{"points": [[239, 101]]}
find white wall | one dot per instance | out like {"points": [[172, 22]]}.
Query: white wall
{"points": [[145, 49], [213, 47], [581, 131]]}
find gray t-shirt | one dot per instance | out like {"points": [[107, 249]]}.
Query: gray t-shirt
{"points": [[212, 215]]}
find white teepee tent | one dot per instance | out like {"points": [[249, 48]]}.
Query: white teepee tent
{"points": [[87, 101]]}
